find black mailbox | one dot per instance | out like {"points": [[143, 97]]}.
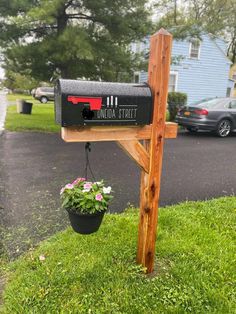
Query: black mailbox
{"points": [[100, 103]]}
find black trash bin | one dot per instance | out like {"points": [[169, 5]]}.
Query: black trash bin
{"points": [[24, 106], [27, 107]]}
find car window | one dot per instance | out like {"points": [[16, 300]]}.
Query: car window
{"points": [[47, 89], [232, 104], [199, 102], [210, 103]]}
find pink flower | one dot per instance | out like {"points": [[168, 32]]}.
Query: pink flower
{"points": [[98, 197], [69, 186], [87, 186], [78, 180]]}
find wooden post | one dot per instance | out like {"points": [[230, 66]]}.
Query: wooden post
{"points": [[158, 75]]}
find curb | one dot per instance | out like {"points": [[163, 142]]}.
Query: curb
{"points": [[3, 113]]}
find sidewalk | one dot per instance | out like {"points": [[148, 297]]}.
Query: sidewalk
{"points": [[3, 109]]}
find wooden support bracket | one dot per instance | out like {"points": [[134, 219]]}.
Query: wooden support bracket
{"points": [[113, 133], [137, 152]]}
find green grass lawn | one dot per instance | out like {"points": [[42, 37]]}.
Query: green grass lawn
{"points": [[14, 97], [41, 119], [195, 266]]}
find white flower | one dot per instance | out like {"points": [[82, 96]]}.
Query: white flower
{"points": [[42, 258], [107, 190], [62, 190], [85, 190], [98, 183]]}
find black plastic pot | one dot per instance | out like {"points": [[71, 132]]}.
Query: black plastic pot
{"points": [[86, 223]]}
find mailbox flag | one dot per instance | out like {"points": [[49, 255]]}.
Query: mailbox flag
{"points": [[95, 103]]}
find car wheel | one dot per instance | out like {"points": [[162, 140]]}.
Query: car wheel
{"points": [[192, 130], [43, 100], [223, 128]]}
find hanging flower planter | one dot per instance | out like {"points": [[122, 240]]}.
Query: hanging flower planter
{"points": [[85, 223], [86, 202]]}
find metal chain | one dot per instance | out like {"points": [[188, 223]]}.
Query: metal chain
{"points": [[87, 163]]}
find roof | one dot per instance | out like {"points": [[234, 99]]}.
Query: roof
{"points": [[198, 33], [214, 39]]}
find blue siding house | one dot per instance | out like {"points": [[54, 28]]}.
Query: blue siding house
{"points": [[200, 68]]}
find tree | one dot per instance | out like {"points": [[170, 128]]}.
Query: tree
{"points": [[218, 18], [192, 17], [17, 81], [71, 38], [230, 30]]}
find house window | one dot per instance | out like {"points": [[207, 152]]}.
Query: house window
{"points": [[136, 77], [173, 82], [194, 49]]}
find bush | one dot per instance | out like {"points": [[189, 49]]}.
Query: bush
{"points": [[175, 101], [21, 91]]}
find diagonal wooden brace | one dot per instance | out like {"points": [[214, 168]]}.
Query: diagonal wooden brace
{"points": [[137, 152]]}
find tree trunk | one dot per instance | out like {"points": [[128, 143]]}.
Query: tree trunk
{"points": [[62, 20], [64, 72]]}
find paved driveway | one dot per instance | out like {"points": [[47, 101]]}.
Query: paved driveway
{"points": [[34, 166]]}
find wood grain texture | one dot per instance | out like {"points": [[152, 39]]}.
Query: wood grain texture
{"points": [[137, 152], [143, 222], [171, 130], [158, 75], [113, 133], [105, 133]]}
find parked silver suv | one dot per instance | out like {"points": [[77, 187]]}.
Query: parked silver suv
{"points": [[44, 94]]}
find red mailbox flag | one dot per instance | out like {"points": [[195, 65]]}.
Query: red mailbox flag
{"points": [[94, 102]]}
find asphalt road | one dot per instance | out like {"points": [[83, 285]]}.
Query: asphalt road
{"points": [[34, 166]]}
